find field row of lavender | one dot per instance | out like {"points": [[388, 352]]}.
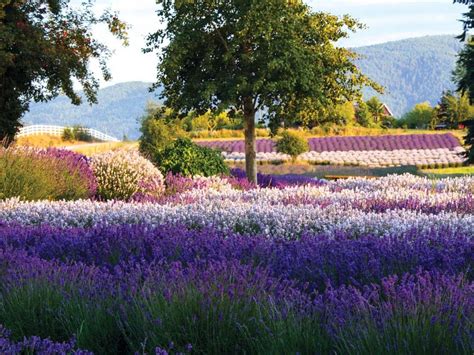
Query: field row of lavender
{"points": [[217, 265], [422, 149]]}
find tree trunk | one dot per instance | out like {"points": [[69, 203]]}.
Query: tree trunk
{"points": [[250, 141]]}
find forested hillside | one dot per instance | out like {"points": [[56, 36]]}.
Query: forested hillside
{"points": [[412, 71]]}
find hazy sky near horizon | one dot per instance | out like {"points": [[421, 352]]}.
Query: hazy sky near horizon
{"points": [[386, 20]]}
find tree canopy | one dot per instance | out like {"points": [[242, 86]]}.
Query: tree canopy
{"points": [[420, 117], [45, 46], [249, 55]]}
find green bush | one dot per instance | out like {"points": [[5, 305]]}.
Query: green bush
{"points": [[189, 159], [81, 134], [77, 133], [158, 131], [68, 134], [420, 117], [292, 144]]}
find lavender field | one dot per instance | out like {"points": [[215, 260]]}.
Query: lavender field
{"points": [[217, 265], [123, 231], [390, 150]]}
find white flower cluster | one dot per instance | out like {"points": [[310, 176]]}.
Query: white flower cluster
{"points": [[285, 213], [354, 198], [212, 183], [121, 174], [373, 158], [464, 185]]}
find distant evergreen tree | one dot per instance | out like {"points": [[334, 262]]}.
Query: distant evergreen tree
{"points": [[469, 141], [453, 109], [443, 108], [464, 73]]}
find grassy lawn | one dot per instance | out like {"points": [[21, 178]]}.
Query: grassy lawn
{"points": [[439, 173]]}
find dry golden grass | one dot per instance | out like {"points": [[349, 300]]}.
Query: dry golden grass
{"points": [[47, 141], [96, 148], [44, 141]]}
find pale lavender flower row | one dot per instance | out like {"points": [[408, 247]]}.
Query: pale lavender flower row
{"points": [[356, 143]]}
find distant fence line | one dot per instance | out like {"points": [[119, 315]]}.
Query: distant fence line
{"points": [[58, 131]]}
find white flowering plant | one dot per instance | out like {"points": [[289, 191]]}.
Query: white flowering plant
{"points": [[126, 175]]}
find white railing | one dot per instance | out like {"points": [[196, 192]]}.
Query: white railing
{"points": [[58, 131]]}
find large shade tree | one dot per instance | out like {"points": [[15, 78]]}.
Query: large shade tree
{"points": [[45, 46], [277, 56]]}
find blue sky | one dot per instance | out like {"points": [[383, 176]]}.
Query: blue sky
{"points": [[387, 20]]}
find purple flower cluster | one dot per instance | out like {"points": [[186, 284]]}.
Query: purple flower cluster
{"points": [[355, 143], [74, 163], [279, 181], [36, 345], [313, 260], [158, 289]]}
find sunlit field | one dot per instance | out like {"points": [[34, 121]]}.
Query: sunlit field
{"points": [[263, 177]]}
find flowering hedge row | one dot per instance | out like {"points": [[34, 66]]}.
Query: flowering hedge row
{"points": [[376, 158], [387, 206]]}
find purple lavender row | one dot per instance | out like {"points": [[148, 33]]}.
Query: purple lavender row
{"points": [[277, 181], [314, 260], [359, 143], [227, 305]]}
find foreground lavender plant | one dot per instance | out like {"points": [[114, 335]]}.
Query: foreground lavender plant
{"points": [[36, 345], [225, 306]]}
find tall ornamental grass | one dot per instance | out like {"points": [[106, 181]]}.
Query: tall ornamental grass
{"points": [[52, 174]]}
